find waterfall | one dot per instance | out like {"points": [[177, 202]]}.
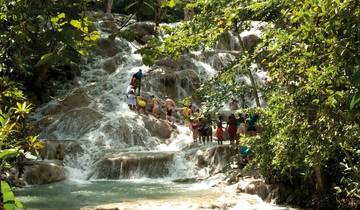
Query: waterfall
{"points": [[110, 150]]}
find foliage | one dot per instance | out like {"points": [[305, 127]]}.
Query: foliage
{"points": [[9, 200], [146, 9], [311, 52], [39, 37]]}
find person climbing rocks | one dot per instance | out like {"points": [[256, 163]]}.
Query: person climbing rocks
{"points": [[251, 124], [241, 130], [141, 104], [195, 128], [219, 130], [136, 79], [128, 90], [186, 115], [170, 107], [231, 128], [132, 99], [155, 104]]}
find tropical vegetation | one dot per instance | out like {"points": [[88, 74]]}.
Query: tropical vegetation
{"points": [[310, 50]]}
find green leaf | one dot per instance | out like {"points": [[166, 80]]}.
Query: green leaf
{"points": [[171, 3], [76, 24], [8, 196], [356, 77], [8, 153], [355, 100], [50, 58], [19, 204]]}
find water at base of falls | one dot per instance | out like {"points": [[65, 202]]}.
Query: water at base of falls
{"points": [[136, 194]]}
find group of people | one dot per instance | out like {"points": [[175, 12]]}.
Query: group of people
{"points": [[139, 103], [201, 127], [236, 126]]}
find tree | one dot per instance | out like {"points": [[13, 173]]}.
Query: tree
{"points": [[310, 50], [42, 38]]}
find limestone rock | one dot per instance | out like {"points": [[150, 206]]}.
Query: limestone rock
{"points": [[130, 164], [77, 99], [250, 40], [56, 149], [229, 41], [43, 172], [111, 64], [254, 187], [142, 31], [217, 157], [124, 131], [158, 128], [73, 124], [107, 47]]}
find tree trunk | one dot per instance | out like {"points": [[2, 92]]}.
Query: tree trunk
{"points": [[252, 80], [157, 14], [319, 179], [109, 4]]}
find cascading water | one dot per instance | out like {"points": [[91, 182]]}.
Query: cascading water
{"points": [[126, 157]]}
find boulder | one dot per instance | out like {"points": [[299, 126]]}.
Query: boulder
{"points": [[110, 65], [250, 40], [73, 124], [107, 47], [254, 187], [142, 31], [124, 131], [216, 157], [134, 164], [77, 99], [229, 41], [158, 128], [43, 172], [57, 149]]}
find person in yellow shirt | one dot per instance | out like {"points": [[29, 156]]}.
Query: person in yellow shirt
{"points": [[186, 114], [141, 103]]}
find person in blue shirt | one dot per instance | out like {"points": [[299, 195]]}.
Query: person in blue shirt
{"points": [[136, 79]]}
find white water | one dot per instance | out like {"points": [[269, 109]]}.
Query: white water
{"points": [[106, 92]]}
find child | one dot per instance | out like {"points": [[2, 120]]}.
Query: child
{"points": [[132, 99], [195, 129], [219, 131]]}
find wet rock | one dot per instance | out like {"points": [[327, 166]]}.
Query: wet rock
{"points": [[186, 180], [57, 149], [158, 128], [73, 124], [125, 131], [142, 31], [111, 47], [178, 64], [229, 41], [43, 172], [41, 124], [216, 157], [134, 164], [177, 84], [111, 64], [77, 99], [250, 40], [109, 26], [107, 47], [254, 187]]}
